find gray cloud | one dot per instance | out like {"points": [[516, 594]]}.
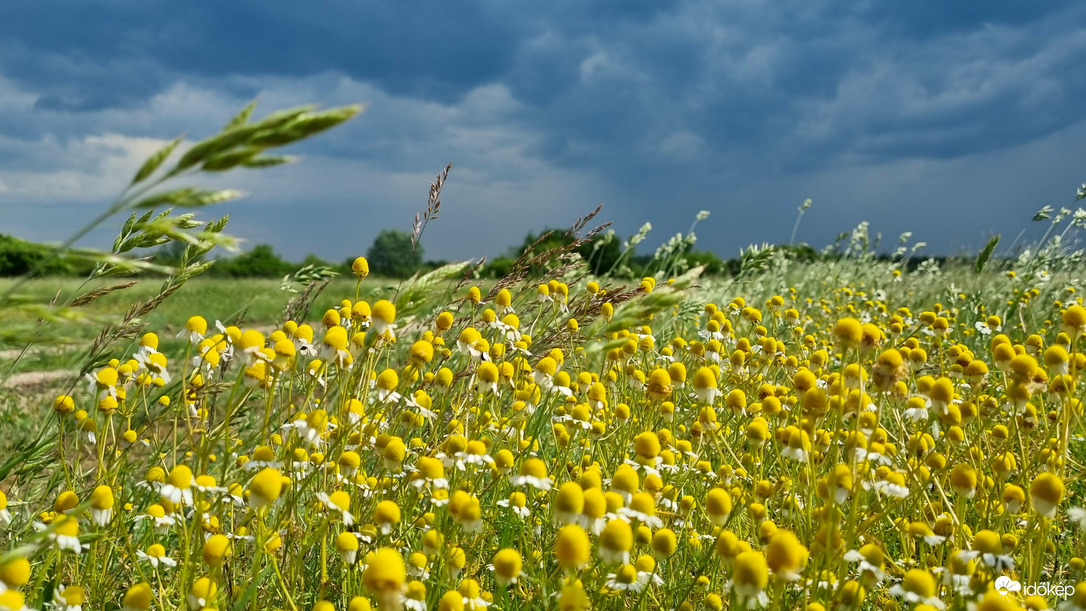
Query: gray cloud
{"points": [[894, 113]]}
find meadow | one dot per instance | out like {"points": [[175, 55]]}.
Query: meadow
{"points": [[855, 432]]}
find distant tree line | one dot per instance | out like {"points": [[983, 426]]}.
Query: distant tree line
{"points": [[391, 255]]}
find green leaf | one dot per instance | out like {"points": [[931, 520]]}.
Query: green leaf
{"points": [[206, 198], [986, 253], [154, 161], [252, 134], [305, 125], [165, 198], [230, 159], [242, 117], [215, 144], [188, 198], [267, 161]]}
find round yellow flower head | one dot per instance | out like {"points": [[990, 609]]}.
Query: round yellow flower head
{"points": [[138, 597], [384, 315], [421, 353], [360, 267], [664, 543], [647, 445], [507, 565], [265, 488], [571, 547], [849, 332], [616, 540], [215, 550], [65, 502], [659, 384], [1045, 494], [16, 572], [64, 404], [718, 504], [388, 380], [750, 574], [1074, 320], [202, 593], [785, 555], [385, 576]]}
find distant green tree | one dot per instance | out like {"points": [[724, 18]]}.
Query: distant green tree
{"points": [[391, 254], [260, 262], [714, 265], [18, 257]]}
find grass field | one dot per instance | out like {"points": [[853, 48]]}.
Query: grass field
{"points": [[839, 434]]}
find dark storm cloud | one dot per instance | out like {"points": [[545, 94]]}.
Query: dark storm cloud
{"points": [[659, 108]]}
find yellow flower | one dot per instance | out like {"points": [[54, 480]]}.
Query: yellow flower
{"points": [[216, 549], [202, 593], [571, 547], [616, 540], [659, 384], [138, 597], [265, 488], [664, 543], [64, 404], [718, 504], [385, 576], [507, 564], [15, 573], [849, 332], [347, 546], [101, 502], [12, 600], [785, 555], [384, 317], [1045, 494], [360, 267], [750, 575]]}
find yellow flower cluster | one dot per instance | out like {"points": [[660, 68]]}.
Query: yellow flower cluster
{"points": [[572, 446]]}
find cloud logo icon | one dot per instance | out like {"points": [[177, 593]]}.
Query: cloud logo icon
{"points": [[1006, 585]]}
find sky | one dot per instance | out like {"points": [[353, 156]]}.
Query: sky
{"points": [[951, 120]]}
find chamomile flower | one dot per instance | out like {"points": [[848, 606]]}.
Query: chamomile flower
{"points": [[102, 502], [68, 598], [155, 555], [918, 587], [785, 555], [533, 472], [384, 319], [385, 577], [177, 488], [750, 575], [870, 559], [517, 502], [339, 503], [347, 547], [64, 534]]}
